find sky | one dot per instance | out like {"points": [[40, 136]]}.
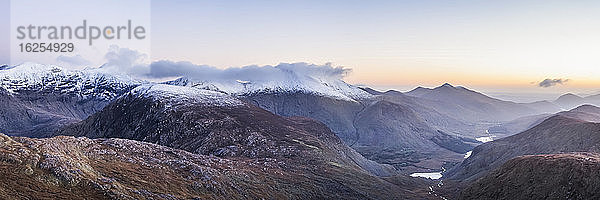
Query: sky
{"points": [[4, 35], [499, 47]]}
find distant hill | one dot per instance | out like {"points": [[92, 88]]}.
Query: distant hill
{"points": [[570, 101], [462, 103], [36, 99], [570, 131]]}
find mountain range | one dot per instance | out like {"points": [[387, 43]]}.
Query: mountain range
{"points": [[570, 131], [39, 99], [307, 135], [463, 103], [416, 131]]}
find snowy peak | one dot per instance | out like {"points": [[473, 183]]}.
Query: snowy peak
{"points": [[172, 94], [4, 67], [281, 79], [88, 83], [186, 82]]}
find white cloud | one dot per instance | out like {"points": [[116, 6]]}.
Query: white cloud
{"points": [[162, 69], [130, 62], [75, 61], [125, 60]]}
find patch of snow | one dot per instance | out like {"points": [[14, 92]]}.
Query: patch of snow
{"points": [[468, 154], [485, 139], [5, 67], [87, 83], [243, 82], [180, 94], [429, 175], [287, 81]]}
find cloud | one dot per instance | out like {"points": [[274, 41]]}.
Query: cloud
{"points": [[125, 60], [129, 61], [283, 71], [552, 82], [76, 60]]}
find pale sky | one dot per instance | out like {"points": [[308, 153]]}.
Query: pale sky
{"points": [[493, 46], [485, 44]]}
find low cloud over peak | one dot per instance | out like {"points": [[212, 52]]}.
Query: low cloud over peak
{"points": [[164, 69], [130, 62], [552, 82]]}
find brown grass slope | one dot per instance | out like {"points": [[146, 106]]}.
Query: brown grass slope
{"points": [[81, 168], [553, 176]]}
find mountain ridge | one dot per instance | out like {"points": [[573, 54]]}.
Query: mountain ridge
{"points": [[290, 82], [570, 101], [563, 132], [39, 99], [234, 129]]}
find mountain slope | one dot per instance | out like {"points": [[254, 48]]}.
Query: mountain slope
{"points": [[281, 79], [462, 103], [199, 121], [518, 125], [82, 168], [390, 129], [339, 106], [371, 91], [553, 176], [569, 101], [564, 132], [400, 135], [38, 99], [544, 106], [338, 115]]}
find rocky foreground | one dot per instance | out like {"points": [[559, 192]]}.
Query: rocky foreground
{"points": [[80, 168]]}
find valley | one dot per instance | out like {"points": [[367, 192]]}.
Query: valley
{"points": [[94, 134]]}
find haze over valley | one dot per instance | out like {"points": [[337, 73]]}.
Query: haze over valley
{"points": [[379, 144]]}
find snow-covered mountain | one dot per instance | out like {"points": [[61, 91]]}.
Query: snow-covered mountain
{"points": [[212, 123], [36, 99], [87, 83], [172, 94], [292, 83]]}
